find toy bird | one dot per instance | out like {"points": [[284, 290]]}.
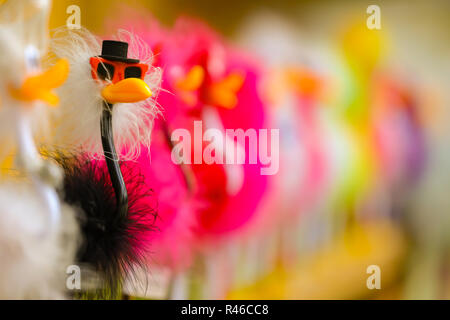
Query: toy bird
{"points": [[38, 236], [106, 100], [26, 92]]}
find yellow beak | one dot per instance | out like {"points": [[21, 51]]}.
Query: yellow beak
{"points": [[39, 87], [127, 91]]}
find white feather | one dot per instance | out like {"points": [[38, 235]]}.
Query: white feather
{"points": [[78, 117]]}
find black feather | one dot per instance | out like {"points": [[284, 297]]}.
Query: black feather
{"points": [[112, 245]]}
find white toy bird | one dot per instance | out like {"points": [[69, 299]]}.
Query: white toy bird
{"points": [[38, 237]]}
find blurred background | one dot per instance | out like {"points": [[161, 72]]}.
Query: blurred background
{"points": [[372, 106]]}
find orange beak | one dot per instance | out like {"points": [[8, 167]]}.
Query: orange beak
{"points": [[39, 87]]}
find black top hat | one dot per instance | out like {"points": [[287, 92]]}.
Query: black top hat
{"points": [[116, 51]]}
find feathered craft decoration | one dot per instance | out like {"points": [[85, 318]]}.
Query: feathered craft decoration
{"points": [[38, 236], [27, 92], [78, 120], [24, 41], [105, 106]]}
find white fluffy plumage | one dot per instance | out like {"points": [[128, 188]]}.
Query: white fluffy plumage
{"points": [[78, 117], [33, 263]]}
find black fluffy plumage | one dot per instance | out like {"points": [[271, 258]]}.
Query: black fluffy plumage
{"points": [[112, 245]]}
